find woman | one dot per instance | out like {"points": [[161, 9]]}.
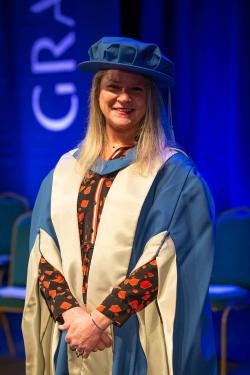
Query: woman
{"points": [[130, 296]]}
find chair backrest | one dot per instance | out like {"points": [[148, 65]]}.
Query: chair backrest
{"points": [[232, 248], [11, 206], [20, 250]]}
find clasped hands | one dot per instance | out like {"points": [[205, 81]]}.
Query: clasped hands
{"points": [[83, 334]]}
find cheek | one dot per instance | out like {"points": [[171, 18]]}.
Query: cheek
{"points": [[105, 101], [104, 108]]}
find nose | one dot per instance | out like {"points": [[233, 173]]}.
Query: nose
{"points": [[124, 97]]}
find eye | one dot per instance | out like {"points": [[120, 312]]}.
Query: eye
{"points": [[113, 87], [137, 89]]}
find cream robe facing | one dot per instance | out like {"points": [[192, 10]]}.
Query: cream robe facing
{"points": [[180, 215], [120, 215]]}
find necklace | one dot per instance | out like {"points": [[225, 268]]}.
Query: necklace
{"points": [[111, 149], [131, 144], [117, 146]]}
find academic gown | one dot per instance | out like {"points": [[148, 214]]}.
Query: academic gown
{"points": [[167, 214]]}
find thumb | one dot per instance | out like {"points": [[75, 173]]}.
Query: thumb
{"points": [[63, 326]]}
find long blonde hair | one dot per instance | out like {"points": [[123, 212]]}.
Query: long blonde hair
{"points": [[151, 136]]}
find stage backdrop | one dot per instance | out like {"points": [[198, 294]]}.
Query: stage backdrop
{"points": [[209, 42], [44, 99]]}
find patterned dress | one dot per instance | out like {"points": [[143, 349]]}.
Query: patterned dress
{"points": [[132, 294]]}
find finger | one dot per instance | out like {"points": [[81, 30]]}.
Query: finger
{"points": [[67, 340], [73, 345], [106, 340], [80, 349], [63, 326], [95, 349], [108, 334], [101, 346], [85, 355]]}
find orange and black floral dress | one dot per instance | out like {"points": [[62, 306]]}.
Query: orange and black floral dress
{"points": [[130, 296]]}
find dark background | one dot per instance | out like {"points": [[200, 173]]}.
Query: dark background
{"points": [[207, 39]]}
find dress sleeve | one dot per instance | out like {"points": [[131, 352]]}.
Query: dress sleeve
{"points": [[55, 290], [132, 295]]}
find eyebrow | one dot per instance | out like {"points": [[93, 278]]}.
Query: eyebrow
{"points": [[112, 80], [117, 81]]}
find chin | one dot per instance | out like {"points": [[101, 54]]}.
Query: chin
{"points": [[123, 125], [124, 128]]}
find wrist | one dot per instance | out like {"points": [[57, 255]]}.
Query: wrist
{"points": [[73, 311], [100, 321]]}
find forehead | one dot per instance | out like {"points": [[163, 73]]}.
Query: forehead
{"points": [[122, 76]]}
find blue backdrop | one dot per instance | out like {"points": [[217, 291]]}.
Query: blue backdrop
{"points": [[44, 100], [209, 43]]}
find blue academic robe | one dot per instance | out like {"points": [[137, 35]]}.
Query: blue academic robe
{"points": [[176, 208]]}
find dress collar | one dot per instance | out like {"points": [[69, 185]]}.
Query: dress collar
{"points": [[103, 167]]}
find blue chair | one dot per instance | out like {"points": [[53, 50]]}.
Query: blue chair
{"points": [[230, 287], [12, 296]]}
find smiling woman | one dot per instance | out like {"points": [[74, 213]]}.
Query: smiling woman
{"points": [[123, 103], [122, 236], [112, 125]]}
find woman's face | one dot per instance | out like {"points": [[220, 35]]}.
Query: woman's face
{"points": [[123, 100]]}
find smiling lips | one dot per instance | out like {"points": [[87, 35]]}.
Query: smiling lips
{"points": [[124, 111]]}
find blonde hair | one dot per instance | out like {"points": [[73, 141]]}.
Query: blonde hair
{"points": [[151, 137]]}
